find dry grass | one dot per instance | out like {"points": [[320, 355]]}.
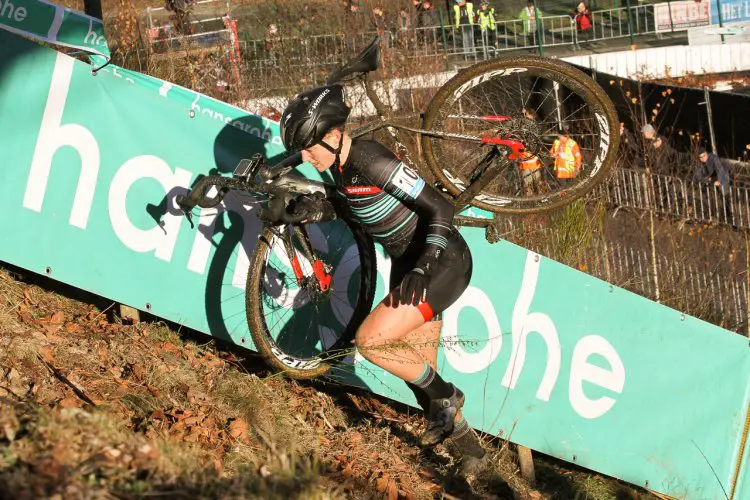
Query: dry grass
{"points": [[93, 408]]}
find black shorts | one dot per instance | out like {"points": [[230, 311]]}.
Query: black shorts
{"points": [[447, 283]]}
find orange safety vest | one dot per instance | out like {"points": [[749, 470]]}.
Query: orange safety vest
{"points": [[567, 156], [529, 162]]}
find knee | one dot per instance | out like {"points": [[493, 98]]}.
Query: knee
{"points": [[365, 337]]}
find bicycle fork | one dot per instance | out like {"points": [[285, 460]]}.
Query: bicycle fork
{"points": [[320, 271]]}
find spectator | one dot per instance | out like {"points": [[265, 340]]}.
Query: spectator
{"points": [[567, 157], [710, 168], [272, 40], [660, 156], [530, 167], [404, 20], [427, 19], [529, 16], [463, 13], [354, 16], [627, 142], [303, 34], [486, 15], [378, 20], [582, 16], [404, 26]]}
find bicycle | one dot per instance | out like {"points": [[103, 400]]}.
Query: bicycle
{"points": [[310, 285]]}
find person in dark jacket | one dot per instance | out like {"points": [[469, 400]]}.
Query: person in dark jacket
{"points": [[660, 155], [709, 168]]}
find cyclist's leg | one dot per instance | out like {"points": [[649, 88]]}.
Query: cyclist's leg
{"points": [[385, 339], [380, 339], [425, 341], [401, 339]]}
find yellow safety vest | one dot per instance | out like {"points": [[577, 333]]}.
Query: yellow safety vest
{"points": [[567, 156], [486, 19], [469, 11]]}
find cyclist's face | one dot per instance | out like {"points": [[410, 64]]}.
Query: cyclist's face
{"points": [[318, 156]]}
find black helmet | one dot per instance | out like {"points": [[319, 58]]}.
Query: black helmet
{"points": [[311, 115]]}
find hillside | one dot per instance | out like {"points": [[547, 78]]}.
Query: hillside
{"points": [[93, 408]]}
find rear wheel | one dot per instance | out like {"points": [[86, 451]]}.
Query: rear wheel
{"points": [[304, 308], [532, 100]]}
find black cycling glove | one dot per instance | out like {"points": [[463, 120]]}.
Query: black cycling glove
{"points": [[310, 208], [413, 289]]}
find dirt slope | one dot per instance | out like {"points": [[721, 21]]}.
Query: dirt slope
{"points": [[92, 408]]}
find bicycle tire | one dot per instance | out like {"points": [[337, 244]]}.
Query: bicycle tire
{"points": [[576, 80], [276, 357]]}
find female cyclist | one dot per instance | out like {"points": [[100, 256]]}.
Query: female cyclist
{"points": [[430, 262]]}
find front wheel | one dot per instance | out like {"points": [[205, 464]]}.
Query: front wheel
{"points": [[308, 289], [566, 123]]}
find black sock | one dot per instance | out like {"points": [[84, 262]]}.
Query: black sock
{"points": [[423, 400], [432, 384], [466, 441]]}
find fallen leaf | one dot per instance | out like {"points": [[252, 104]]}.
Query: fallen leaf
{"points": [[70, 402], [193, 420], [347, 471], [46, 353], [158, 414], [26, 317], [57, 318], [73, 328], [238, 428], [388, 487], [139, 371]]}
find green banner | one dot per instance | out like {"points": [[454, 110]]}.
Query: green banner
{"points": [[548, 357], [52, 23]]}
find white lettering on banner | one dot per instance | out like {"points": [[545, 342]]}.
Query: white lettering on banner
{"points": [[204, 232], [581, 370], [53, 136], [95, 40], [523, 324], [139, 240], [251, 228], [264, 133], [10, 11], [458, 358]]}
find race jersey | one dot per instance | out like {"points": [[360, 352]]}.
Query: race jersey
{"points": [[391, 201]]}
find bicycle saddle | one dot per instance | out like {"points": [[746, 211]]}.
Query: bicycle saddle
{"points": [[368, 60]]}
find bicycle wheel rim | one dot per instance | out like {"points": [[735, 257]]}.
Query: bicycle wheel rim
{"points": [[300, 329], [502, 89]]}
